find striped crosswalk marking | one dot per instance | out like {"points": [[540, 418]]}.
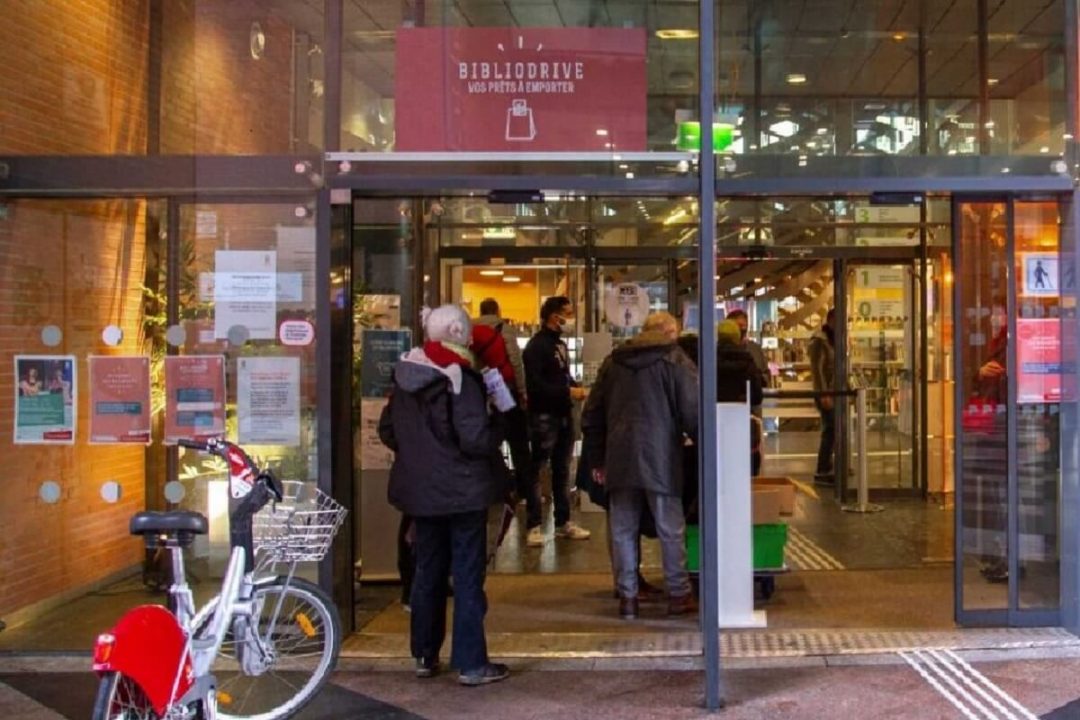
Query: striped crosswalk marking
{"points": [[974, 695], [805, 554]]}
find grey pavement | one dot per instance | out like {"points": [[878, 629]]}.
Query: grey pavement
{"points": [[1047, 688]]}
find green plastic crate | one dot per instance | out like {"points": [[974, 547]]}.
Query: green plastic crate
{"points": [[769, 542]]}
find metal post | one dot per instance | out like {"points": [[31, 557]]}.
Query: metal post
{"points": [[707, 450], [863, 504]]}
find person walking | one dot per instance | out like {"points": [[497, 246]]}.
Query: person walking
{"points": [[446, 474], [822, 351], [642, 407], [552, 392], [496, 346]]}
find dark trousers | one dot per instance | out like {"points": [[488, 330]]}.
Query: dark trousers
{"points": [[827, 448], [454, 544], [406, 558], [552, 440], [516, 423]]}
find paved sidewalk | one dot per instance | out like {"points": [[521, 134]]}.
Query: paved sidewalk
{"points": [[879, 687]]}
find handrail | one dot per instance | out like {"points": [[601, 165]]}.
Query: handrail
{"points": [[806, 394]]}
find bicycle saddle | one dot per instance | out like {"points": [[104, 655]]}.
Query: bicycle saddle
{"points": [[175, 521]]}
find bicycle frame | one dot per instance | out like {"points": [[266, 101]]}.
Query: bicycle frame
{"points": [[170, 654]]}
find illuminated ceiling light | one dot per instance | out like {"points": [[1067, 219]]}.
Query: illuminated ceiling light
{"points": [[677, 34], [822, 131], [624, 166], [899, 37], [511, 279], [602, 132], [629, 176], [796, 79], [1044, 149], [991, 81], [491, 273]]}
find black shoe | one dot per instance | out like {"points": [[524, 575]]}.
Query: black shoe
{"points": [[824, 479], [484, 675], [426, 667], [628, 608]]}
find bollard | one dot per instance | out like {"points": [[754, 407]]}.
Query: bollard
{"points": [[862, 504]]}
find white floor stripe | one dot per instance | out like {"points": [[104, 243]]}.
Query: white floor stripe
{"points": [[971, 692], [812, 549], [1023, 711], [959, 673], [917, 667]]}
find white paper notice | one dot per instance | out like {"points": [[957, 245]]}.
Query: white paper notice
{"points": [[373, 454], [245, 293], [268, 400]]}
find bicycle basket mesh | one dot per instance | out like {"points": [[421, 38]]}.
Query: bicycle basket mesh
{"points": [[300, 528]]}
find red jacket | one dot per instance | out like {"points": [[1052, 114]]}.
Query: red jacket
{"points": [[490, 348]]}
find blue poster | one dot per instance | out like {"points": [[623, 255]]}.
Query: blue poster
{"points": [[380, 350]]}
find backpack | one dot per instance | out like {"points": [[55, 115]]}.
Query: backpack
{"points": [[489, 346]]}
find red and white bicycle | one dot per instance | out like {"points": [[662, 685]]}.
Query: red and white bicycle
{"points": [[264, 646]]}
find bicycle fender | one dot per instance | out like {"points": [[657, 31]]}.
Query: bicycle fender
{"points": [[148, 646]]}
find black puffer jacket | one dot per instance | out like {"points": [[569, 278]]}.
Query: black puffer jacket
{"points": [[643, 403], [445, 443], [735, 367]]}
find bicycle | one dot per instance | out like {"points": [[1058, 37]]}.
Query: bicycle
{"points": [[264, 646]]}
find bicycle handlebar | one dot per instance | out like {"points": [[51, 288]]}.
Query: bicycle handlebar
{"points": [[220, 448]]}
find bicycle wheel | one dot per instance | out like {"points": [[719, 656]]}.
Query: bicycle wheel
{"points": [[120, 698], [305, 642]]}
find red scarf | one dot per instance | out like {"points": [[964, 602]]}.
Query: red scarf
{"points": [[444, 356]]}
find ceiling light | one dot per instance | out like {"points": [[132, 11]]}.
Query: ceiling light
{"points": [[899, 37], [677, 34], [796, 79], [822, 131], [991, 81], [623, 166], [491, 273], [511, 279], [1044, 149], [602, 132]]}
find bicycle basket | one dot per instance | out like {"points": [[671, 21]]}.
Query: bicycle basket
{"points": [[299, 528]]}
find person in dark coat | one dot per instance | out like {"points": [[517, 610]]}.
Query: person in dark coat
{"points": [[446, 474], [735, 372], [642, 407]]}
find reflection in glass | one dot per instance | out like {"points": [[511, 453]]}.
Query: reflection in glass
{"points": [[1039, 387], [983, 344]]}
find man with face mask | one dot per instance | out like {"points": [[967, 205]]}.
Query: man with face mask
{"points": [[552, 392]]}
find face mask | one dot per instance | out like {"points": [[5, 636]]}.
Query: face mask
{"points": [[567, 325]]}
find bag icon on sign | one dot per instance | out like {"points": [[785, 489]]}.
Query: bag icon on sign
{"points": [[520, 126]]}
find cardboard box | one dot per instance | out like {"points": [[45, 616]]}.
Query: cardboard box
{"points": [[783, 486], [765, 506]]}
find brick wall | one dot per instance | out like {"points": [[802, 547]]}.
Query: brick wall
{"points": [[77, 265]]}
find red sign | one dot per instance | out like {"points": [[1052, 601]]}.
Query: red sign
{"points": [[520, 89], [194, 397], [120, 400], [1038, 350]]}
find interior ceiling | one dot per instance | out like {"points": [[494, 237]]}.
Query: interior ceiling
{"points": [[859, 48]]}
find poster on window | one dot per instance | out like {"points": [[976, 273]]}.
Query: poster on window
{"points": [[520, 89], [268, 400], [194, 397], [1041, 278], [245, 293], [120, 400], [626, 305], [45, 399], [1038, 357], [380, 351], [373, 454]]}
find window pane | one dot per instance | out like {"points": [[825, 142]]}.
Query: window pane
{"points": [[983, 344]]}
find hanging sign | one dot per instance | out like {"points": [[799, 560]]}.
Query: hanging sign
{"points": [[520, 89]]}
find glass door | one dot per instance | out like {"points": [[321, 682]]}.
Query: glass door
{"points": [[1008, 393], [882, 319]]}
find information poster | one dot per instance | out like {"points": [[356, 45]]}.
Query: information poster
{"points": [[626, 305], [373, 454], [380, 351], [120, 400], [194, 397], [268, 400], [245, 293], [1038, 351], [46, 389], [1041, 274]]}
